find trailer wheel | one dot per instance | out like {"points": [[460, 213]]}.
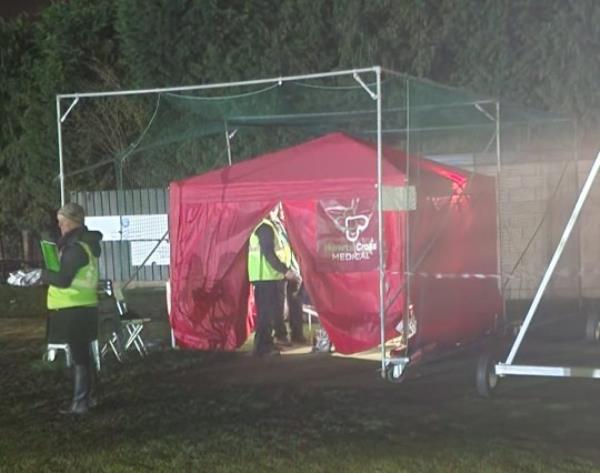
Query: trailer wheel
{"points": [[592, 328], [486, 378]]}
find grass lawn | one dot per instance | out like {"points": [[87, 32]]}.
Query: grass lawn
{"points": [[230, 412]]}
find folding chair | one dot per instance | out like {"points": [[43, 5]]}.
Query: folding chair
{"points": [[122, 332], [134, 329]]}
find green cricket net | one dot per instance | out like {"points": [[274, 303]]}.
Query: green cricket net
{"points": [[121, 152]]}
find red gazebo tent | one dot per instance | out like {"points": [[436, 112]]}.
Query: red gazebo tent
{"points": [[328, 188]]}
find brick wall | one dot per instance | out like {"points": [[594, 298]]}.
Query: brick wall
{"points": [[590, 236], [526, 203]]}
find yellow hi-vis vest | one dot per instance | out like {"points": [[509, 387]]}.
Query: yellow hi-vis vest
{"points": [[83, 290], [259, 268]]}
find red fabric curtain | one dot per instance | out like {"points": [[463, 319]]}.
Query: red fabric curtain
{"points": [[209, 281], [210, 286], [348, 301]]}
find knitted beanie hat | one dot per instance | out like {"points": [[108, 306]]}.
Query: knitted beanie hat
{"points": [[73, 212]]}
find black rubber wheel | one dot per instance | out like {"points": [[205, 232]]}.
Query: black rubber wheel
{"points": [[592, 328], [486, 378]]}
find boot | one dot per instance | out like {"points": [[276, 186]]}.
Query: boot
{"points": [[93, 393], [81, 391]]}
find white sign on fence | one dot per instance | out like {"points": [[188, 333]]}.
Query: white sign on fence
{"points": [[110, 227], [129, 227], [142, 231], [141, 249], [143, 227]]}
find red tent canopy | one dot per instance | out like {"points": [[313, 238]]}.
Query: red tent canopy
{"points": [[328, 190]]}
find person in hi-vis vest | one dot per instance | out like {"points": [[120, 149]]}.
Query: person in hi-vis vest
{"points": [[269, 266], [293, 297], [73, 300]]}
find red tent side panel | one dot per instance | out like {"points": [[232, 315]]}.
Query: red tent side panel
{"points": [[455, 287], [455, 291], [209, 283]]}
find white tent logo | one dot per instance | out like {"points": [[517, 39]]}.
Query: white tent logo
{"points": [[352, 221], [354, 226], [347, 221]]}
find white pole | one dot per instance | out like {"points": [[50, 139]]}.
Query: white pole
{"points": [[407, 240], [228, 143], [380, 223], [559, 249], [168, 296], [579, 246], [61, 173], [220, 85], [64, 117], [499, 212]]}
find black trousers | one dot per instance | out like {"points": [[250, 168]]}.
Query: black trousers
{"points": [[268, 297], [294, 302], [77, 326]]}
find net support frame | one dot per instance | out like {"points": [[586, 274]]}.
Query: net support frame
{"points": [[380, 220], [377, 96], [116, 93], [508, 368], [499, 210], [61, 169]]}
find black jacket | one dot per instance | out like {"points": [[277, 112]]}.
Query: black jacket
{"points": [[72, 256]]}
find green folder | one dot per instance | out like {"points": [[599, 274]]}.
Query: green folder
{"points": [[50, 254]]}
